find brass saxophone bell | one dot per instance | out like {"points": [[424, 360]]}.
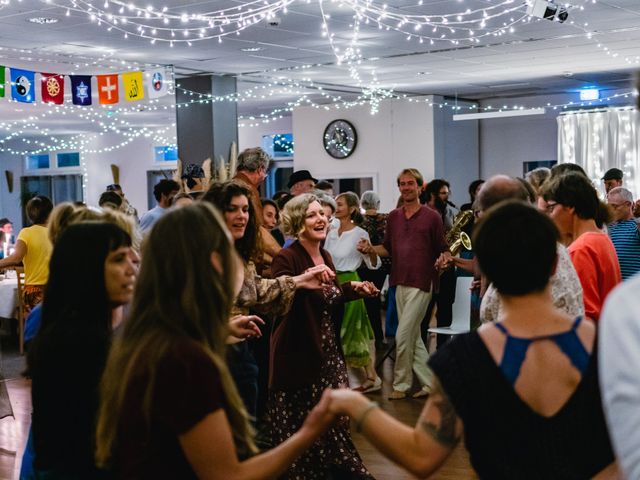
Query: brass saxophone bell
{"points": [[463, 240]]}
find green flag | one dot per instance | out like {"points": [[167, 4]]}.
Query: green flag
{"points": [[2, 69]]}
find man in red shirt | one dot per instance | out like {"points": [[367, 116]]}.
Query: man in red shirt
{"points": [[414, 239]]}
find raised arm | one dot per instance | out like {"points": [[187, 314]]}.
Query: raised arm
{"points": [[211, 452], [422, 449]]}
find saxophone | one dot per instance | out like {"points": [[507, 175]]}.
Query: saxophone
{"points": [[455, 237]]}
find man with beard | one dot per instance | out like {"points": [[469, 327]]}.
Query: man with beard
{"points": [[414, 238]]}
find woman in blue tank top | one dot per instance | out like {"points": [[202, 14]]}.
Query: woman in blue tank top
{"points": [[522, 392]]}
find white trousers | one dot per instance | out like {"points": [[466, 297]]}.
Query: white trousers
{"points": [[411, 353]]}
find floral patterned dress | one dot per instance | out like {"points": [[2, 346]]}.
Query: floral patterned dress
{"points": [[288, 410]]}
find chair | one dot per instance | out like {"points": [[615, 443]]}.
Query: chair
{"points": [[20, 307], [461, 321]]}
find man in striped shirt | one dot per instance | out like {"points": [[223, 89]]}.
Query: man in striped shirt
{"points": [[624, 231]]}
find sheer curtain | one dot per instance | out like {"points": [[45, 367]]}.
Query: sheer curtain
{"points": [[600, 140]]}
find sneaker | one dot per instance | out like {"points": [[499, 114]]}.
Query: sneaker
{"points": [[369, 385], [396, 395], [423, 392]]}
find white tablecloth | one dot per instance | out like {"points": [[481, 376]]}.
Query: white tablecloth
{"points": [[8, 297]]}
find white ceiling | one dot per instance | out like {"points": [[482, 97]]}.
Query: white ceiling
{"points": [[540, 57]]}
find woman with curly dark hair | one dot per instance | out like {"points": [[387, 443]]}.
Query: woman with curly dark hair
{"points": [[271, 297]]}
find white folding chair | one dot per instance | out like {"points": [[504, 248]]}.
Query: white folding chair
{"points": [[461, 321]]}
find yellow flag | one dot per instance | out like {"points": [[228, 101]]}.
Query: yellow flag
{"points": [[133, 86]]}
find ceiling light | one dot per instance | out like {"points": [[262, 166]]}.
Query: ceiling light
{"points": [[423, 73], [501, 114], [589, 94], [252, 49], [43, 20]]}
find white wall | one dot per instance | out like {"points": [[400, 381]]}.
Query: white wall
{"points": [[457, 158], [506, 143], [400, 135]]}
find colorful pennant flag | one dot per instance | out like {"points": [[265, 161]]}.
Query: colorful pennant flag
{"points": [[52, 88], [2, 69], [108, 91], [133, 86], [81, 89], [22, 85], [157, 83]]}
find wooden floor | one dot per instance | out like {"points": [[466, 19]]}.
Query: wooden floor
{"points": [[407, 410], [14, 431]]}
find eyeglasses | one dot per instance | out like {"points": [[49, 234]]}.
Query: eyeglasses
{"points": [[550, 206], [618, 205]]}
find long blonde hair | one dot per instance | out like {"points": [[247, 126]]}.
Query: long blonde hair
{"points": [[178, 294]]}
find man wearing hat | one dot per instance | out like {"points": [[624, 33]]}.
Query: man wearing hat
{"points": [[612, 179], [301, 182]]}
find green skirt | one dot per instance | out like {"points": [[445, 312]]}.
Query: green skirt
{"points": [[356, 331]]}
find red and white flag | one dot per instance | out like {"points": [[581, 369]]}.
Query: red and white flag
{"points": [[52, 88], [108, 91]]}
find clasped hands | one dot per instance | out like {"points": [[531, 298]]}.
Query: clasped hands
{"points": [[245, 326], [335, 403], [315, 277], [364, 246]]}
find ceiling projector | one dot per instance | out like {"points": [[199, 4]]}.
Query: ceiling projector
{"points": [[547, 10]]}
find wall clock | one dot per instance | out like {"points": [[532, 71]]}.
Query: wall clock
{"points": [[340, 139]]}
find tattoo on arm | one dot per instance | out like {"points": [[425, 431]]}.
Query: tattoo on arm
{"points": [[444, 431]]}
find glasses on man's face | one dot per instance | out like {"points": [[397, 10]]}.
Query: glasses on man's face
{"points": [[616, 206], [550, 206]]}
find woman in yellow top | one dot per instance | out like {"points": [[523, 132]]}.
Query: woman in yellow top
{"points": [[33, 249]]}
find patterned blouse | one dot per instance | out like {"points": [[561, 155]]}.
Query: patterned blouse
{"points": [[267, 296], [566, 291]]}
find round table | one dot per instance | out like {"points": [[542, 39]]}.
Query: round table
{"points": [[8, 297]]}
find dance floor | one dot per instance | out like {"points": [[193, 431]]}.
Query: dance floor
{"points": [[13, 435]]}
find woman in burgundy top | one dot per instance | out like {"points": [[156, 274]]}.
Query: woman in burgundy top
{"points": [[169, 407]]}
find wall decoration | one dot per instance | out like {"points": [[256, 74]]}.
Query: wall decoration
{"points": [[52, 90], [81, 89], [22, 85], [108, 89]]}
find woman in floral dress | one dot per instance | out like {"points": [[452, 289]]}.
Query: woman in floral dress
{"points": [[305, 349]]}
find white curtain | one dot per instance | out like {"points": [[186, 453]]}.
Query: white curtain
{"points": [[600, 140]]}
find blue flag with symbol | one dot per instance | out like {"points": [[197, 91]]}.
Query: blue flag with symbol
{"points": [[81, 89], [23, 85]]}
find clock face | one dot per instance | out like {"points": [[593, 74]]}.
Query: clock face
{"points": [[340, 139]]}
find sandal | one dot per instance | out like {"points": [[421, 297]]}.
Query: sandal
{"points": [[369, 385]]}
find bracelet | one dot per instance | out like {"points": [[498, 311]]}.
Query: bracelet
{"points": [[363, 415]]}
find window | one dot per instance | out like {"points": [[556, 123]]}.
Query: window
{"points": [[168, 153], [59, 188], [279, 145], [70, 159], [37, 162]]}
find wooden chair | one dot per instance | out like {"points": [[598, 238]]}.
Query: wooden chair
{"points": [[20, 307]]}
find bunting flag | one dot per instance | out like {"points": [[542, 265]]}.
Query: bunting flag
{"points": [[52, 88], [157, 83], [132, 86], [81, 89], [2, 69], [108, 91], [22, 82]]}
